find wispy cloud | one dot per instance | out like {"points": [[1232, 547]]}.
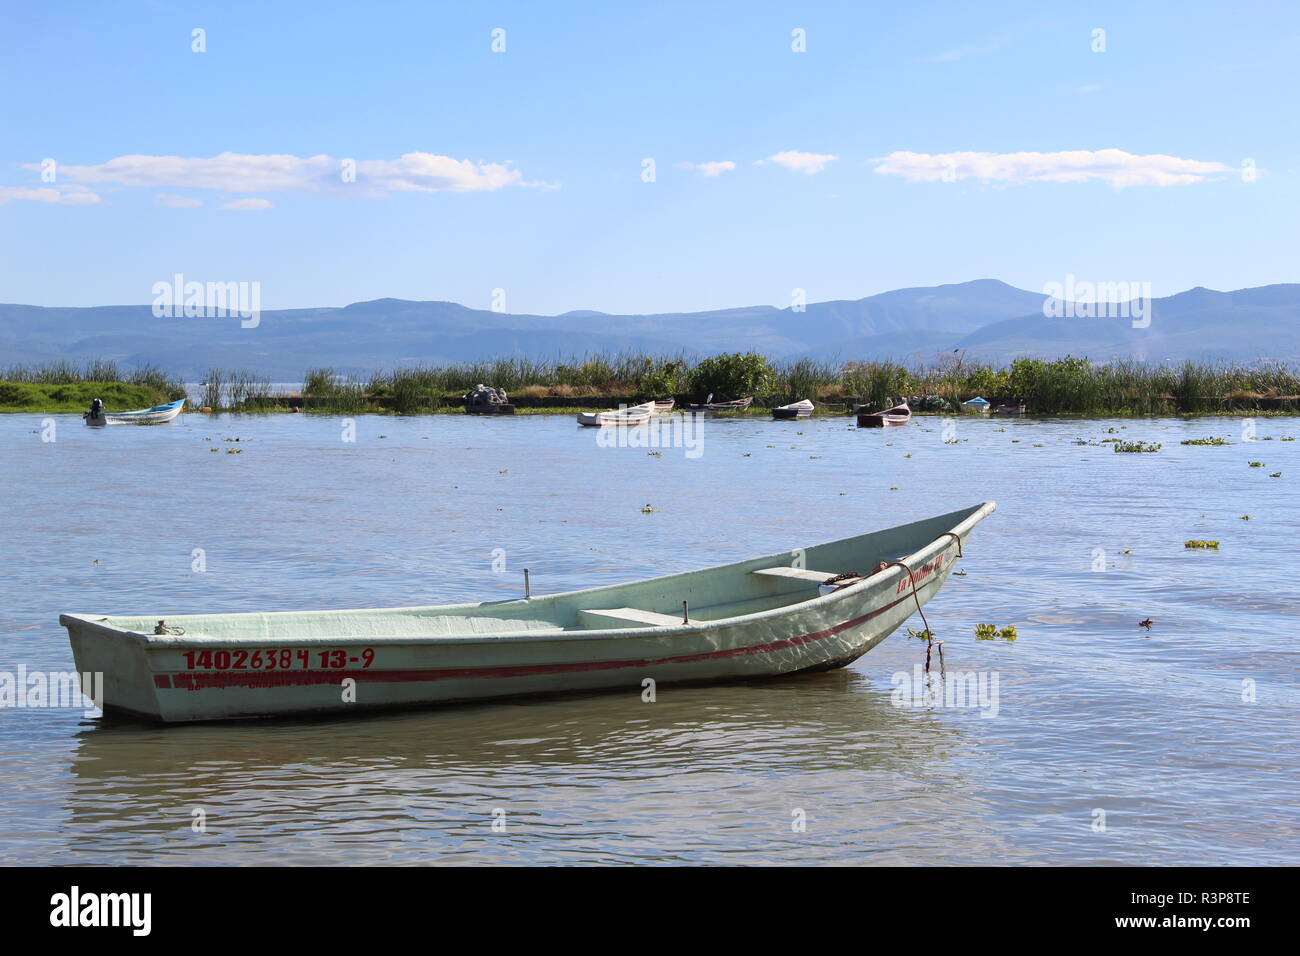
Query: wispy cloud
{"points": [[1113, 166], [246, 173], [65, 195], [799, 162], [710, 170], [972, 49], [248, 205], [172, 201]]}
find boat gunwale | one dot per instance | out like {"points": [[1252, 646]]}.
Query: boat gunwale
{"points": [[913, 560]]}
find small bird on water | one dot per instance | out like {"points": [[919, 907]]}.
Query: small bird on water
{"points": [[1146, 624]]}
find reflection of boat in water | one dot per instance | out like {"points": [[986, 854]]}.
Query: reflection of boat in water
{"points": [[414, 782], [763, 617]]}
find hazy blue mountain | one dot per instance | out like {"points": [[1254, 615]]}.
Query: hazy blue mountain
{"points": [[986, 318], [1246, 325]]}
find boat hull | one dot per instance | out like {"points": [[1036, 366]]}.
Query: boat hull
{"points": [[329, 667], [794, 410], [880, 420], [898, 415]]}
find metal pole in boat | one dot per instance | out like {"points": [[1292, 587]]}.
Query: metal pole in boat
{"points": [[686, 613], [528, 591]]}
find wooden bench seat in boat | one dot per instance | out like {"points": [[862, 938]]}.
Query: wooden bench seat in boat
{"points": [[601, 617], [801, 574]]}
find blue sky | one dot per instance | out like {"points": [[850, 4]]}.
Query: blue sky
{"points": [[523, 169]]}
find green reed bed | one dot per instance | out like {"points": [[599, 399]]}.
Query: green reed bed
{"points": [[1068, 386], [62, 387]]}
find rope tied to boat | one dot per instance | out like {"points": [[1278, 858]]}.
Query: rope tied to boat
{"points": [[956, 537], [173, 629], [841, 580], [930, 642]]}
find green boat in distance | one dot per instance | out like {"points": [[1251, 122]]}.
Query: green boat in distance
{"points": [[813, 608]]}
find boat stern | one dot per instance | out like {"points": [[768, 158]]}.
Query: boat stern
{"points": [[120, 662]]}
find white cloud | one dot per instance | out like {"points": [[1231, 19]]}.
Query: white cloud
{"points": [[65, 195], [247, 173], [710, 170], [171, 200], [248, 205], [426, 172], [796, 161], [1114, 166], [973, 49]]}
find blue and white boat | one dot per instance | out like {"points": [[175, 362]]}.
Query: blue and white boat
{"points": [[157, 415]]}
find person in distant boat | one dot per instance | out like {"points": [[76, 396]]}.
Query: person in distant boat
{"points": [[95, 414]]}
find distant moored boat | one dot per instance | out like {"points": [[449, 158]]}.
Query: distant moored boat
{"points": [[157, 415], [633, 415], [898, 415], [794, 410], [738, 405]]}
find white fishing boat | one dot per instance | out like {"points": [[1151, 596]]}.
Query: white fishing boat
{"points": [[158, 415], [810, 609], [632, 415], [794, 410]]}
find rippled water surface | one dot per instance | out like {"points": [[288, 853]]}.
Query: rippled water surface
{"points": [[1184, 735]]}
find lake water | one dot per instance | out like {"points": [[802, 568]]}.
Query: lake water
{"points": [[1183, 735]]}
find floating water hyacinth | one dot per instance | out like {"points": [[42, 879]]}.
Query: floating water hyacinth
{"points": [[1205, 441], [1211, 545], [1137, 446]]}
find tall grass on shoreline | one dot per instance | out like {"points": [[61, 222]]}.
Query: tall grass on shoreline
{"points": [[97, 370], [224, 389], [1058, 386]]}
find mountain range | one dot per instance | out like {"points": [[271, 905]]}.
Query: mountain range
{"points": [[986, 319]]}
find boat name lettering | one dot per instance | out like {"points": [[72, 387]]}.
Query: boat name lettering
{"points": [[920, 574]]}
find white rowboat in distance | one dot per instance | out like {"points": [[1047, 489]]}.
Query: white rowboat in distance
{"points": [[632, 415]]}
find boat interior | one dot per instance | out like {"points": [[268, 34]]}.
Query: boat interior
{"points": [[712, 594]]}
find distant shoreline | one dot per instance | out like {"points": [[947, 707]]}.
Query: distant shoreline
{"points": [[1058, 387]]}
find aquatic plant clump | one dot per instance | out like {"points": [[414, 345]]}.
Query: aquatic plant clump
{"points": [[1137, 446]]}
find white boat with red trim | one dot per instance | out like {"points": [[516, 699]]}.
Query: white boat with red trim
{"points": [[813, 608]]}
